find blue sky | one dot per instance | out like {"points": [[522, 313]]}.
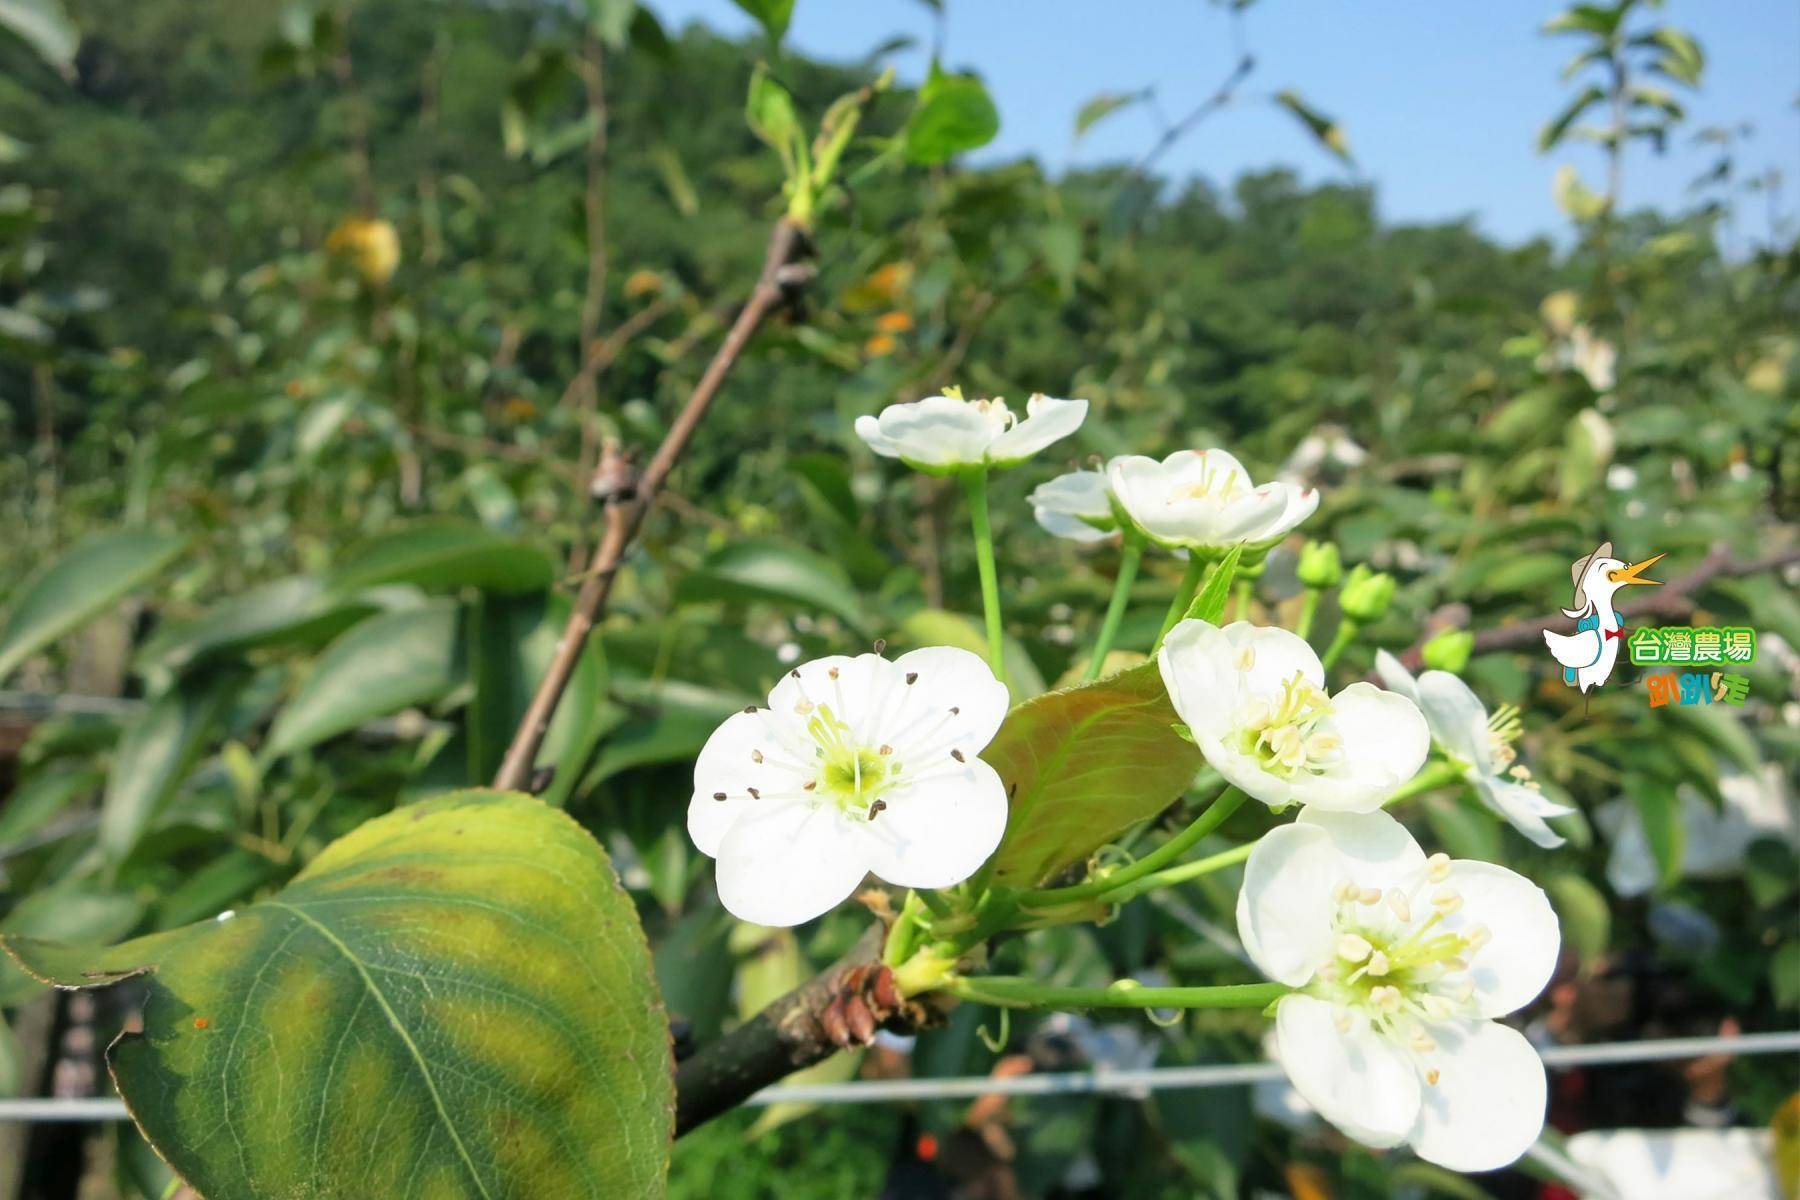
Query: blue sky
{"points": [[1441, 99]]}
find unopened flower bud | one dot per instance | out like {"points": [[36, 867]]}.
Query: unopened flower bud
{"points": [[1449, 650], [1366, 594], [1320, 566]]}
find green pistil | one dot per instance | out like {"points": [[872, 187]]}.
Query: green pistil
{"points": [[852, 777]]}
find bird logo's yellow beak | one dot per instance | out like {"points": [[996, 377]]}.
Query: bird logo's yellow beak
{"points": [[1631, 574]]}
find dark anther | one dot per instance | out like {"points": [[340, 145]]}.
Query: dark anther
{"points": [[954, 710], [809, 785], [754, 794], [878, 806], [750, 708], [795, 673], [881, 645], [718, 795], [887, 750], [832, 672], [912, 677], [756, 756], [958, 756]]}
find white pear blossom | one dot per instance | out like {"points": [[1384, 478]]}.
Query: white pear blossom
{"points": [[1401, 963], [1076, 505], [1480, 744], [1205, 500], [941, 435], [1254, 701], [857, 765]]}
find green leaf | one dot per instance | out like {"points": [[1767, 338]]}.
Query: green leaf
{"points": [[298, 610], [45, 27], [772, 15], [441, 555], [154, 755], [1784, 975], [1463, 830], [770, 112], [1081, 766], [1104, 105], [1660, 809], [93, 576], [512, 639], [667, 722], [1209, 601], [379, 667], [1599, 20], [1586, 919], [37, 802], [64, 912], [1558, 126], [611, 19], [1685, 61], [1328, 132], [453, 1000], [779, 572], [954, 114]]}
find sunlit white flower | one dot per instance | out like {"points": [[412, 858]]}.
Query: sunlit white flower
{"points": [[1715, 840], [1077, 505], [857, 765], [1481, 745], [1254, 700], [1679, 1164], [1401, 962], [941, 435], [1205, 500]]}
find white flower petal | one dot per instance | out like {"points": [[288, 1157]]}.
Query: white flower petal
{"points": [[1249, 518], [1047, 420], [1378, 850], [1487, 1106], [1457, 718], [1301, 503], [1384, 734], [1524, 809], [1077, 493], [850, 695], [1074, 528], [917, 719], [1395, 677], [1285, 904], [1275, 657], [1514, 966], [783, 863], [727, 764], [1196, 661], [1196, 468], [1142, 488], [938, 832], [869, 430], [938, 431], [1359, 1081]]}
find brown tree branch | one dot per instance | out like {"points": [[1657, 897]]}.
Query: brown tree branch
{"points": [[585, 388], [840, 1006], [1673, 599], [627, 500]]}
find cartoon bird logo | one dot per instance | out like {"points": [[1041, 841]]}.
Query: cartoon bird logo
{"points": [[1587, 656]]}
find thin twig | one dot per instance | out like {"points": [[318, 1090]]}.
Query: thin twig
{"points": [[627, 500]]}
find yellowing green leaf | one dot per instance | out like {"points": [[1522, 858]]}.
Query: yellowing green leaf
{"points": [[455, 1000]]}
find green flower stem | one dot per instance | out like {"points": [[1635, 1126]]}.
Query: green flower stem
{"points": [[1240, 600], [1346, 633], [939, 906], [1169, 876], [975, 484], [1209, 820], [1434, 775], [903, 935], [1130, 553], [1019, 992], [1184, 595], [1309, 608]]}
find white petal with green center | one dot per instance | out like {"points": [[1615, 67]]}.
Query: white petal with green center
{"points": [[944, 829], [1372, 848]]}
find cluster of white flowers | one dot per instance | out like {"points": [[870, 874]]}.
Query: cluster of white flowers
{"points": [[1399, 962]]}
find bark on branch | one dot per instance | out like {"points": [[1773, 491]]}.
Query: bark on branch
{"points": [[1673, 599], [627, 499]]}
